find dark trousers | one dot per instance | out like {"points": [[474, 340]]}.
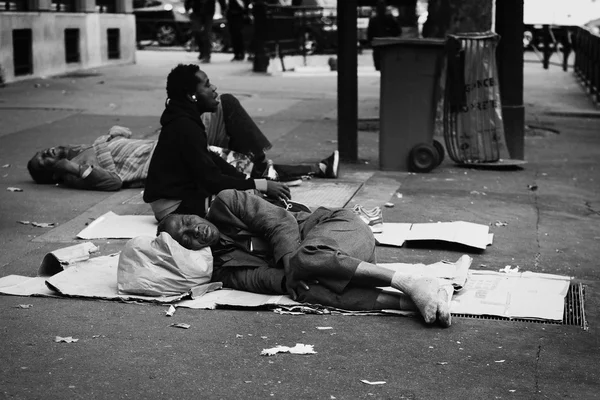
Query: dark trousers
{"points": [[202, 28], [246, 137], [235, 22]]}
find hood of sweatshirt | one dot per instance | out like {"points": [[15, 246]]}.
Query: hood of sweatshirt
{"points": [[177, 109]]}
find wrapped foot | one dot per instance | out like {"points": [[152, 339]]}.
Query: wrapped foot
{"points": [[430, 298]]}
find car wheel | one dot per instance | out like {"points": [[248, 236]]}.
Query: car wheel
{"points": [[166, 35], [217, 42], [309, 42]]}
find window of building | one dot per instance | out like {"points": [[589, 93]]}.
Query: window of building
{"points": [[72, 54], [22, 52], [106, 6], [113, 36], [63, 5], [14, 5]]}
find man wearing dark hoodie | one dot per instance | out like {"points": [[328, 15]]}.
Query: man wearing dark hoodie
{"points": [[183, 174]]}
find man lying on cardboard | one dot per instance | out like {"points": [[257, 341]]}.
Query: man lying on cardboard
{"points": [[326, 257]]}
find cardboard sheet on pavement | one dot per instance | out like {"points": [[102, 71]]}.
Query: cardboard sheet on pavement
{"points": [[461, 232], [516, 295], [113, 226]]}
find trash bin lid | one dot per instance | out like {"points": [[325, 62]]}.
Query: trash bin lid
{"points": [[398, 41]]}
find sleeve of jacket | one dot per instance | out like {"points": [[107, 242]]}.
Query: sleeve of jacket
{"points": [[98, 179], [200, 162], [233, 210]]}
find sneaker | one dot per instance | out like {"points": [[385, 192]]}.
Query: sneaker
{"points": [[373, 217], [332, 164]]}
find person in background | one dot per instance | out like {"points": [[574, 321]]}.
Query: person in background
{"points": [[116, 161], [202, 14], [236, 11], [382, 24]]}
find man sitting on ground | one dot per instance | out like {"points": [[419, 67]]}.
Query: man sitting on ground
{"points": [[116, 161], [326, 257]]}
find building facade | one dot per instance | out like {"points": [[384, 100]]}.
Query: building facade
{"points": [[53, 37]]}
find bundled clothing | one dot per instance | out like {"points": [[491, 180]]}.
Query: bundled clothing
{"points": [[327, 245]]}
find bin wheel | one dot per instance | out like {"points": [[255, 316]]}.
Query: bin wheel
{"points": [[423, 158], [440, 149]]}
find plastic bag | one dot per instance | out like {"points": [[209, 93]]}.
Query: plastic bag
{"points": [[473, 126], [161, 267]]}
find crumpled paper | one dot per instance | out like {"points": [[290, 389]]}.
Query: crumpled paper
{"points": [[299, 348]]}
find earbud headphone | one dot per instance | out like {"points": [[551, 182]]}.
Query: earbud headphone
{"points": [[193, 98]]}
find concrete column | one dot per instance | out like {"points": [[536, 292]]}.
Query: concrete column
{"points": [[509, 25], [124, 6], [85, 6], [347, 80], [40, 5]]}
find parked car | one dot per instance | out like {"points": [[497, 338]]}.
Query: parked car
{"points": [[163, 21]]}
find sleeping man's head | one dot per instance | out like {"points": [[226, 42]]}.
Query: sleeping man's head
{"points": [[190, 231]]}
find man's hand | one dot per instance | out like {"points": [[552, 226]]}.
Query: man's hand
{"points": [[118, 131], [278, 190], [291, 284], [64, 166]]}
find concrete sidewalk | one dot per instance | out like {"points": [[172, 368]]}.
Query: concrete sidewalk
{"points": [[552, 229]]}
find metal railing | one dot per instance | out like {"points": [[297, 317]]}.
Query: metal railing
{"points": [[587, 60]]}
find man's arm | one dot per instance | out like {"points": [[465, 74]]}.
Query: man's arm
{"points": [[86, 177], [233, 210]]}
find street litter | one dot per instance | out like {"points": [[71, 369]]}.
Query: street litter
{"points": [[181, 325], [500, 361], [389, 205], [24, 306], [441, 363], [43, 224], [509, 270], [38, 224], [532, 187], [500, 223], [399, 195], [373, 383], [170, 311], [6, 166], [68, 339], [14, 189], [238, 336], [299, 348], [323, 328]]}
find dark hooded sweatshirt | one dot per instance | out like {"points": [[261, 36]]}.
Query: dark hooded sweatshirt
{"points": [[182, 167]]}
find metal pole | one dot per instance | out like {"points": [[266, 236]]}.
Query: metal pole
{"points": [[509, 25], [347, 80]]}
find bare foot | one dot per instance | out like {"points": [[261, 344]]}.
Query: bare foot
{"points": [[430, 298]]}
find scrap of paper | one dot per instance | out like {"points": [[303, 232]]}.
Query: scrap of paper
{"points": [[373, 383], [299, 348], [181, 325], [170, 311], [68, 339], [24, 306], [14, 189]]}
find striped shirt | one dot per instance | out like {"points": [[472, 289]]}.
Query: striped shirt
{"points": [[128, 158]]}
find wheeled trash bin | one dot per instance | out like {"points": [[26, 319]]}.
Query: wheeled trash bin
{"points": [[410, 71]]}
